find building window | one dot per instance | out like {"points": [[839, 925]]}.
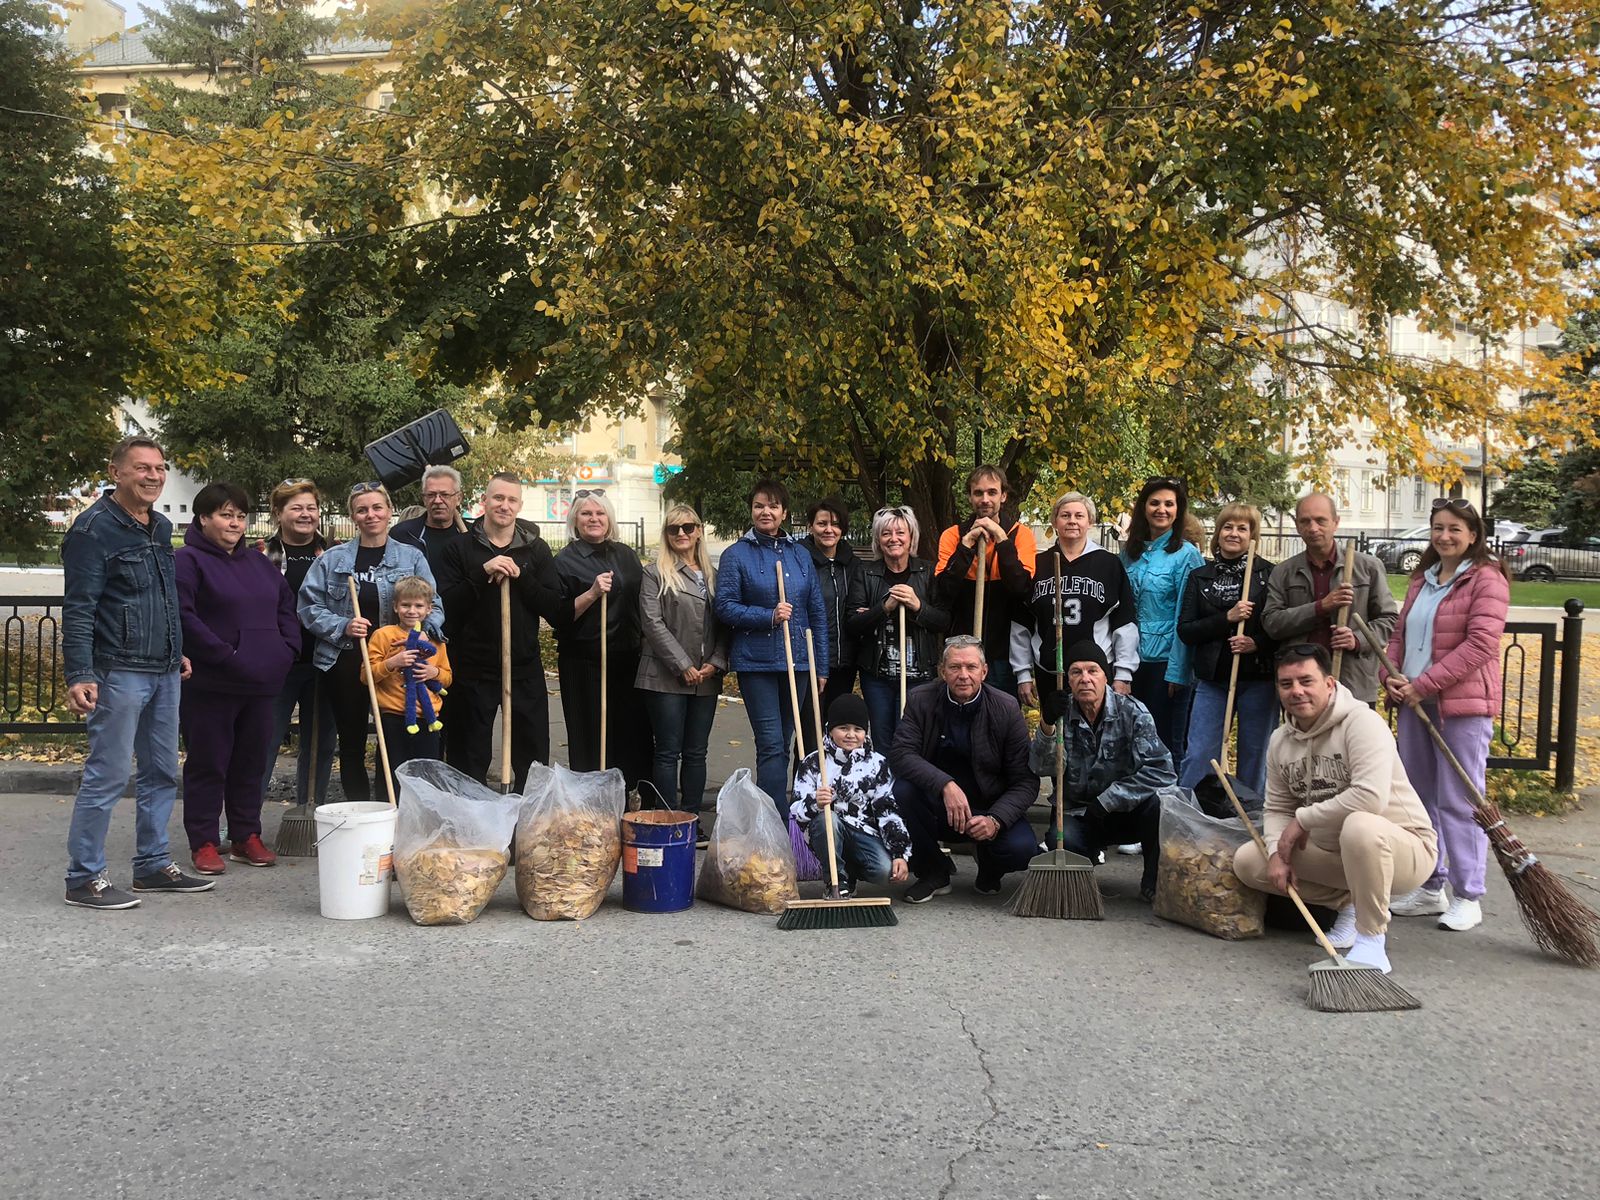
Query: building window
{"points": [[663, 423], [183, 508], [1419, 494], [168, 508], [1368, 497], [386, 102], [1341, 482]]}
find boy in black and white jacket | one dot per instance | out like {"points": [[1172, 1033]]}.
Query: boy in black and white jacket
{"points": [[870, 840]]}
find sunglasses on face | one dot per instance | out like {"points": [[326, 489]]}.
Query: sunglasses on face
{"points": [[585, 493], [295, 483], [361, 489], [683, 530], [1163, 481]]}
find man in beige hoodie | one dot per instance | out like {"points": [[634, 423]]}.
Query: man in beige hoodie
{"points": [[1343, 822]]}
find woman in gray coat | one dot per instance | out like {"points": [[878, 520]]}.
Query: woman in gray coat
{"points": [[681, 662]]}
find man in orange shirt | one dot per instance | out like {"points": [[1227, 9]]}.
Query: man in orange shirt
{"points": [[1009, 552]]}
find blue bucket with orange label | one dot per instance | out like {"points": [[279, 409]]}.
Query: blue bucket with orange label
{"points": [[658, 860]]}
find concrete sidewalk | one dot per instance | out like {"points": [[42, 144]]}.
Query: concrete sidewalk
{"points": [[236, 1044]]}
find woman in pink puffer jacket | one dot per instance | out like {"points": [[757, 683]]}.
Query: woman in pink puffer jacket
{"points": [[1447, 644]]}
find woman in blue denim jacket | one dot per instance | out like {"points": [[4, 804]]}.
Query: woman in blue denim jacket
{"points": [[1158, 561], [747, 603], [377, 563]]}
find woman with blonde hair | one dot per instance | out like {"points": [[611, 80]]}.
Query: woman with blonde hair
{"points": [[684, 654], [1213, 604], [892, 581], [295, 544], [593, 564]]}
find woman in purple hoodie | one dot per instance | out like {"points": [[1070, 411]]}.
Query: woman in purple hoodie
{"points": [[241, 633]]}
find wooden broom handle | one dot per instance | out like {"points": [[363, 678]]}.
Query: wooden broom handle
{"points": [[372, 695], [822, 763], [605, 671], [1415, 706], [983, 578], [1266, 856], [1233, 671], [788, 660], [1346, 575], [1061, 721], [505, 682]]}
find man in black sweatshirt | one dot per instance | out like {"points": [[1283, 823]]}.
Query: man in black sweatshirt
{"points": [[498, 551]]}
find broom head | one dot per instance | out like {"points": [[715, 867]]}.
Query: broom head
{"points": [[1340, 986], [1060, 885], [871, 912], [297, 833], [1558, 921]]}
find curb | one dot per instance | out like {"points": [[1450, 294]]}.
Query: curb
{"points": [[40, 779]]}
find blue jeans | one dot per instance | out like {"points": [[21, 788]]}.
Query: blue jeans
{"points": [[300, 688], [682, 728], [136, 717], [859, 855], [883, 708], [1002, 676], [1255, 717], [766, 703]]}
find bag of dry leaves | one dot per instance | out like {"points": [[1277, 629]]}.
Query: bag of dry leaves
{"points": [[749, 862], [451, 842], [569, 841], [1196, 885]]}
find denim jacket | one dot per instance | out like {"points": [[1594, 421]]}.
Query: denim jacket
{"points": [[324, 602], [120, 608], [1119, 761]]}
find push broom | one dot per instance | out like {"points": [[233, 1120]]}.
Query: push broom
{"points": [[297, 832], [1336, 985], [1559, 922], [1058, 883], [830, 912]]}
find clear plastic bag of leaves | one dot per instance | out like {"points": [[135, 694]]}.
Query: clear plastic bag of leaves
{"points": [[749, 862], [1196, 885], [569, 841], [451, 841]]}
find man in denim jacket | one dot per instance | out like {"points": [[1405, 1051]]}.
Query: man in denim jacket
{"points": [[1116, 764], [124, 657]]}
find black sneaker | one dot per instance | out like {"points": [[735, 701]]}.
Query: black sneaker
{"points": [[170, 879], [98, 893], [924, 890], [702, 836], [987, 885]]}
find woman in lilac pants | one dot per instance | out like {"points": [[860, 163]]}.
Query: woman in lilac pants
{"points": [[1447, 645]]}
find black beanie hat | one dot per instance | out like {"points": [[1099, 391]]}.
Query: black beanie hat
{"points": [[1086, 651], [848, 709]]}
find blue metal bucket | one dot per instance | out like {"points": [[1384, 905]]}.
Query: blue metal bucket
{"points": [[658, 861]]}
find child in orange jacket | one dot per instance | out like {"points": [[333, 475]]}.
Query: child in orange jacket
{"points": [[393, 666]]}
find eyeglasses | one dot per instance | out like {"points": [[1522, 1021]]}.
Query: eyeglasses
{"points": [[1454, 503], [361, 489], [898, 510], [1163, 481], [440, 495], [297, 483], [584, 493], [961, 640], [683, 530]]}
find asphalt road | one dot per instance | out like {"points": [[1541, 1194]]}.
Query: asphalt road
{"points": [[236, 1044]]}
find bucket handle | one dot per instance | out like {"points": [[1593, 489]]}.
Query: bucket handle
{"points": [[343, 821], [645, 783]]}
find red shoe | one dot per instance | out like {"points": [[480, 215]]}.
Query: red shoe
{"points": [[253, 851], [207, 861]]}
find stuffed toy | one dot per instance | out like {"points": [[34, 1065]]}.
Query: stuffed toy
{"points": [[417, 698]]}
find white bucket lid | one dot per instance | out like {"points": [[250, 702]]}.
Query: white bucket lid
{"points": [[355, 812]]}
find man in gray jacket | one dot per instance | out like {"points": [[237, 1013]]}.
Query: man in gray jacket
{"points": [[1305, 594], [1116, 764]]}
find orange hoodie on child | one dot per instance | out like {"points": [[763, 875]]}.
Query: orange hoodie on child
{"points": [[388, 640]]}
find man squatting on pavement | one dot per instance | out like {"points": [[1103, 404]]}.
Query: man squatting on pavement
{"points": [[1341, 819]]}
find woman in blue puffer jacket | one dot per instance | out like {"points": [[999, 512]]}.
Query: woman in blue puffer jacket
{"points": [[747, 603], [1158, 561]]}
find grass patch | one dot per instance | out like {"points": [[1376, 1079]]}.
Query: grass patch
{"points": [[1528, 595]]}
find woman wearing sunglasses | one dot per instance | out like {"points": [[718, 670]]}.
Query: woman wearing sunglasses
{"points": [[1158, 560], [1447, 644], [376, 562], [894, 580], [593, 564], [681, 663]]}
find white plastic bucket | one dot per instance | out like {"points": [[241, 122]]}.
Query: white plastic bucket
{"points": [[355, 858]]}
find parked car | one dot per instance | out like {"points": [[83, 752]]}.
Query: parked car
{"points": [[1403, 552], [1548, 554]]}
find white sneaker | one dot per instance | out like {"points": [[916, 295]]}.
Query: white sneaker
{"points": [[1132, 848], [1420, 902], [1343, 934], [1369, 951], [1463, 915]]}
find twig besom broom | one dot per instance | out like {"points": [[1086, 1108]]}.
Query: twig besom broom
{"points": [[1058, 883], [297, 832], [1336, 985], [830, 912], [1558, 921]]}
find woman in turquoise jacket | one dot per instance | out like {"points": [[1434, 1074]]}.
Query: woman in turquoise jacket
{"points": [[1158, 561]]}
